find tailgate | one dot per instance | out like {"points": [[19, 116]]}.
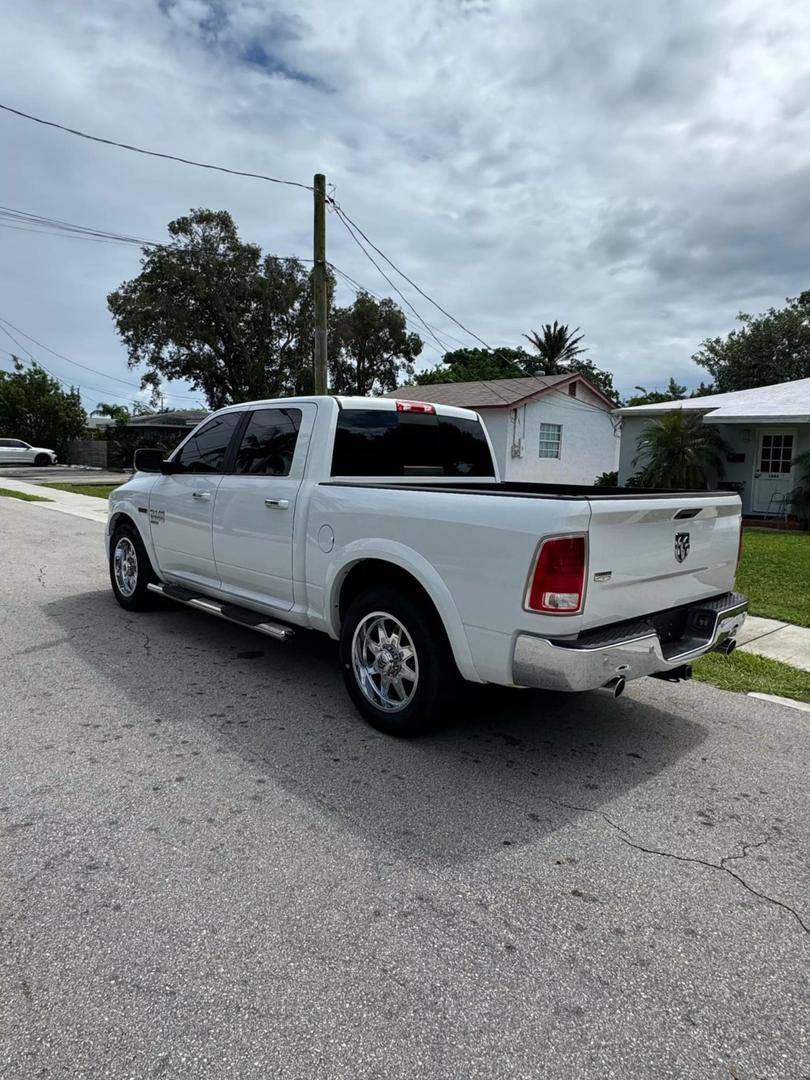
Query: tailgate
{"points": [[652, 553]]}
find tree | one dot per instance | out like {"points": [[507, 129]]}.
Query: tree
{"points": [[471, 365], [559, 353], [677, 450], [556, 347], [770, 348], [370, 347], [674, 392], [209, 308], [602, 380], [34, 407]]}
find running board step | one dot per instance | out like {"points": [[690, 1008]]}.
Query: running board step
{"points": [[252, 620]]}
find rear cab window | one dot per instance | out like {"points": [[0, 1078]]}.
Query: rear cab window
{"points": [[378, 442]]}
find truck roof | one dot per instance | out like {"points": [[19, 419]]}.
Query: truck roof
{"points": [[383, 404]]}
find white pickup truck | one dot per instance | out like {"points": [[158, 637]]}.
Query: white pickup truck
{"points": [[384, 524]]}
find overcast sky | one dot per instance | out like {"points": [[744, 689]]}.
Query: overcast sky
{"points": [[639, 169]]}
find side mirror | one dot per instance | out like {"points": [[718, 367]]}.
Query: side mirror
{"points": [[147, 460]]}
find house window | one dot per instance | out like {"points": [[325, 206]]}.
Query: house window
{"points": [[550, 440], [776, 454], [572, 389]]}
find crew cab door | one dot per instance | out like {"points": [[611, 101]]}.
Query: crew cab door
{"points": [[181, 504], [255, 505]]}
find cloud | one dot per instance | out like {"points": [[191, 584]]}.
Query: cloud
{"points": [[638, 170]]}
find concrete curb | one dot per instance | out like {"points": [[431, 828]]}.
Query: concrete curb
{"points": [[801, 706]]}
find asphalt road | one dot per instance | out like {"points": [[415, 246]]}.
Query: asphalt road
{"points": [[209, 867]]}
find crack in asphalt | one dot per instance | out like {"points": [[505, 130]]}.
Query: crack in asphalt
{"points": [[745, 848], [129, 625]]}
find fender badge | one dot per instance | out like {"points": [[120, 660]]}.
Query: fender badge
{"points": [[156, 517], [603, 575]]}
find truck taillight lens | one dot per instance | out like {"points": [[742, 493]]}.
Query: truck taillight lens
{"points": [[739, 550], [558, 582]]}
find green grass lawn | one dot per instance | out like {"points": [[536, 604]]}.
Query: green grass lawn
{"points": [[101, 491], [9, 494], [775, 574], [744, 672]]}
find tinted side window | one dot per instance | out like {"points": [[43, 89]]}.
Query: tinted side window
{"points": [[366, 444], [268, 444], [205, 452], [464, 447]]}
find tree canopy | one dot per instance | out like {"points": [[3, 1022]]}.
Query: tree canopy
{"points": [[238, 325], [34, 407], [556, 347], [210, 308], [370, 347], [471, 365], [673, 392], [770, 348]]}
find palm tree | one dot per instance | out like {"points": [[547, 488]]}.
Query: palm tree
{"points": [[677, 450], [556, 346]]}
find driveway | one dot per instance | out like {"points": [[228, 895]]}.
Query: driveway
{"points": [[210, 867]]}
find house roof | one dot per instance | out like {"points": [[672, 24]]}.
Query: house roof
{"points": [[176, 418], [781, 401], [491, 393]]}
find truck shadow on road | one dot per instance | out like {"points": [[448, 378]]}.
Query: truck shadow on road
{"points": [[506, 768]]}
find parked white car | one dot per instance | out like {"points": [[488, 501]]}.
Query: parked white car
{"points": [[384, 524], [17, 452]]}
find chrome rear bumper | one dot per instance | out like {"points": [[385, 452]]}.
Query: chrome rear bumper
{"points": [[595, 657]]}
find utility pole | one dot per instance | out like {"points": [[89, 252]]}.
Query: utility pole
{"points": [[319, 279]]}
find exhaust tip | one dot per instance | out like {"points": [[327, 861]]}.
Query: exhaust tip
{"points": [[616, 685], [727, 647]]}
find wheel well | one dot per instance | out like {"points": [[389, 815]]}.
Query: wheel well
{"points": [[374, 572], [119, 519]]}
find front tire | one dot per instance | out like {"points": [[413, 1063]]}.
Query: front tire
{"points": [[130, 569], [43, 461], [397, 664]]}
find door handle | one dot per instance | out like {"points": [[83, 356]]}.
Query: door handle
{"points": [[203, 496], [277, 504]]}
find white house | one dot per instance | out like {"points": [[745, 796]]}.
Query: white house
{"points": [[553, 428], [766, 428]]}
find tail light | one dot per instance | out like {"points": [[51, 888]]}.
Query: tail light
{"points": [[416, 406], [558, 583]]}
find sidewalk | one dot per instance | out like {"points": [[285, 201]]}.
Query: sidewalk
{"points": [[776, 640], [64, 502]]}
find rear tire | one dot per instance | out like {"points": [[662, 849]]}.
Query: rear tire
{"points": [[42, 461], [397, 663], [130, 569]]}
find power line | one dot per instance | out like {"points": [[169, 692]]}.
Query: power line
{"points": [[348, 221], [61, 356], [153, 153], [400, 294], [363, 288]]}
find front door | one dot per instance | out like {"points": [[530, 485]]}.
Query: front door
{"points": [[773, 472], [181, 505], [255, 506]]}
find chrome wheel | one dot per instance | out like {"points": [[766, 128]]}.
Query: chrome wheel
{"points": [[125, 566], [384, 661]]}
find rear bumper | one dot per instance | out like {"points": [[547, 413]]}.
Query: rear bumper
{"points": [[594, 658]]}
